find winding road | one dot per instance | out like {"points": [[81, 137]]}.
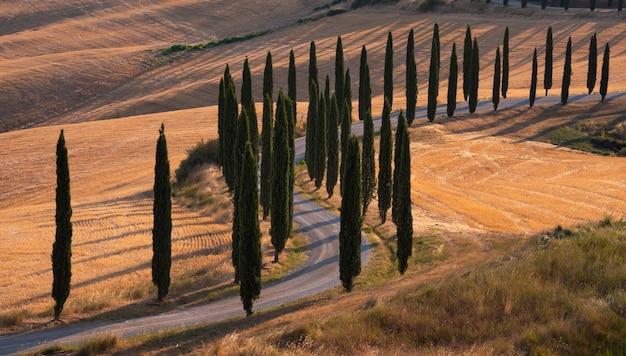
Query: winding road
{"points": [[318, 273]]}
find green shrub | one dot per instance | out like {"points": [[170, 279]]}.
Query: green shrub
{"points": [[97, 345], [202, 152]]}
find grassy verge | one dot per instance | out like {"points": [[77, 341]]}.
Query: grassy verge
{"points": [[599, 136], [198, 47]]}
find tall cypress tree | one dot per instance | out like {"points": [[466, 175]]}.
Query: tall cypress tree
{"points": [[332, 170], [320, 142], [243, 136], [313, 65], [162, 214], [291, 144], [620, 5], [266, 162], [291, 81], [362, 84], [384, 163], [339, 75], [525, 3], [505, 63], [604, 80], [593, 63], [592, 5], [547, 75], [346, 131], [467, 61], [544, 4], [351, 220], [247, 102], [311, 126], [368, 162], [567, 72], [397, 161], [231, 115], [327, 93], [268, 78], [388, 79], [279, 230], [438, 48], [433, 81], [250, 258], [405, 218], [452, 82], [62, 246], [533, 81], [347, 90], [474, 73], [411, 79], [221, 100], [495, 96]]}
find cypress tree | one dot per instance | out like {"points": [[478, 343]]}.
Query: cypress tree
{"points": [[347, 90], [313, 65], [620, 5], [384, 163], [291, 81], [327, 93], [279, 230], [62, 246], [311, 126], [250, 258], [243, 136], [473, 95], [547, 75], [566, 4], [604, 80], [397, 161], [362, 91], [162, 213], [593, 64], [525, 3], [339, 75], [544, 4], [266, 162], [388, 79], [533, 80], [433, 81], [505, 63], [411, 79], [438, 48], [368, 162], [567, 72], [291, 134], [452, 82], [320, 142], [467, 61], [231, 115], [247, 102], [592, 5], [405, 218], [346, 131], [268, 78], [221, 100], [495, 97], [332, 170], [351, 220]]}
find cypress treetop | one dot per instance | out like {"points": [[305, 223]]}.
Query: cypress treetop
{"points": [[452, 82], [567, 73], [533, 80], [411, 79], [467, 62], [604, 80], [384, 162], [279, 229], [495, 96], [351, 220], [388, 78], [593, 64], [547, 75], [505, 63], [162, 215]]}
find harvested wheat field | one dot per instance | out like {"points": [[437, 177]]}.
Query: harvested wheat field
{"points": [[94, 70]]}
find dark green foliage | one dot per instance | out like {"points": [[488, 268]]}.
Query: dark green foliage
{"points": [[250, 258], [203, 152], [320, 142], [404, 220], [311, 126], [62, 246], [162, 213], [243, 136], [291, 131], [592, 67], [411, 79], [592, 5], [438, 44], [388, 79], [268, 78], [332, 170], [247, 103], [384, 163], [533, 81], [347, 90], [221, 100], [187, 47], [397, 161], [365, 91], [351, 220], [291, 81], [433, 81], [505, 63], [231, 115], [566, 4], [567, 72], [524, 3], [544, 4], [547, 75], [604, 80], [266, 161], [327, 93], [368, 162], [453, 79], [313, 65], [474, 75], [346, 131], [495, 95], [620, 5], [339, 75], [467, 61], [279, 229]]}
